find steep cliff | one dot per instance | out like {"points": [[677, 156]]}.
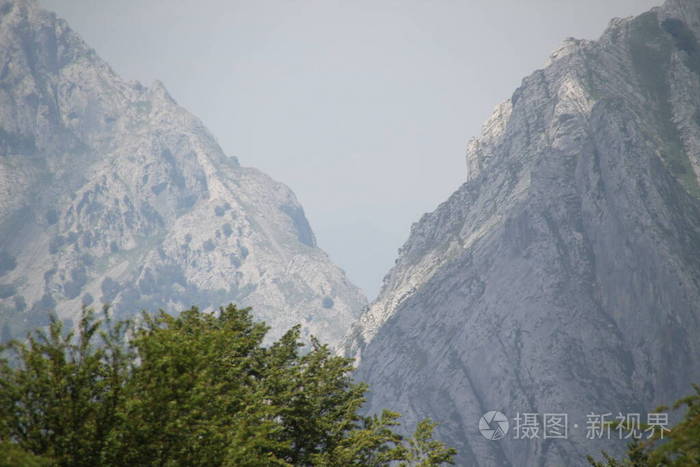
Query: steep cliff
{"points": [[564, 275], [112, 193]]}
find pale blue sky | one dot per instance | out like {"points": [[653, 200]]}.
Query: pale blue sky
{"points": [[362, 107]]}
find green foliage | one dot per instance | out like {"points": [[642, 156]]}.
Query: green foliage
{"points": [[679, 447], [424, 450], [61, 400], [197, 389], [11, 455]]}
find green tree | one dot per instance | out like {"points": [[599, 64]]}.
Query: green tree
{"points": [[196, 389], [60, 400], [678, 447], [424, 451]]}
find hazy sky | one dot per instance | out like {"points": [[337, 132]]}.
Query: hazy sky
{"points": [[363, 107]]}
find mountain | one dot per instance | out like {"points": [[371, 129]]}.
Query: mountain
{"points": [[110, 192], [564, 275]]}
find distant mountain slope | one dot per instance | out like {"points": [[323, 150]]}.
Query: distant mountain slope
{"points": [[564, 275], [112, 193]]}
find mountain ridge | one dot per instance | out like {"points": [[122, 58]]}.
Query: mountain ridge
{"points": [[111, 192], [564, 274]]}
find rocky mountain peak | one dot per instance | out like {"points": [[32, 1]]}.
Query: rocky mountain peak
{"points": [[564, 275], [110, 192]]}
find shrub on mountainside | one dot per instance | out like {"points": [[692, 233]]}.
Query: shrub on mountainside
{"points": [[679, 447]]}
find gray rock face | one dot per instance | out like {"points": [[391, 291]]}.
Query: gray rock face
{"points": [[564, 275], [112, 193]]}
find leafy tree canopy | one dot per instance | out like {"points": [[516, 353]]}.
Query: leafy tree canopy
{"points": [[196, 389]]}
